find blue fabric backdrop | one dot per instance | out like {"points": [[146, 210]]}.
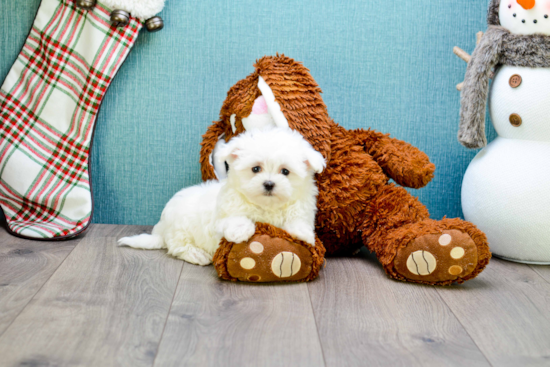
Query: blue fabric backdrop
{"points": [[381, 64]]}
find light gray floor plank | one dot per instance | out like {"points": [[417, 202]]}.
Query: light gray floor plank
{"points": [[104, 306], [506, 310], [24, 268], [88, 302], [366, 319], [218, 323], [542, 270]]}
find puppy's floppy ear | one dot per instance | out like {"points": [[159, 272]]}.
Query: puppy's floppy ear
{"points": [[314, 160], [228, 153]]}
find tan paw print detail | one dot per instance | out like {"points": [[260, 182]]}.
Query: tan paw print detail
{"points": [[256, 247], [421, 263], [445, 239], [286, 264], [457, 253], [267, 259], [248, 263], [438, 257]]}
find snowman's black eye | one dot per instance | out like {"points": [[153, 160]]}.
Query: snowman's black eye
{"points": [[285, 172], [257, 169]]}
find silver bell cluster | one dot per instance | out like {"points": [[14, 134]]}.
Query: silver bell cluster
{"points": [[120, 18]]}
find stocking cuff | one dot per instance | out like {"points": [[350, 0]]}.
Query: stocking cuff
{"points": [[142, 9]]}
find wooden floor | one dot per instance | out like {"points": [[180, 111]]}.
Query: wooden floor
{"points": [[89, 302]]}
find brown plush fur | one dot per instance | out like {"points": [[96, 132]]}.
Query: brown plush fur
{"points": [[317, 252], [356, 204]]}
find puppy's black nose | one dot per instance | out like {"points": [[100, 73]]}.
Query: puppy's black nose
{"points": [[269, 185]]}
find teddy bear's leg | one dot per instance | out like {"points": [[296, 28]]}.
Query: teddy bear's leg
{"points": [[271, 255], [412, 247]]}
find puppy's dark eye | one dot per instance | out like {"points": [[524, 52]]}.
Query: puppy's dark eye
{"points": [[285, 172], [257, 169]]}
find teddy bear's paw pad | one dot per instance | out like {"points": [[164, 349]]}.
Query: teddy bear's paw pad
{"points": [[269, 259], [421, 263], [286, 264], [441, 257]]}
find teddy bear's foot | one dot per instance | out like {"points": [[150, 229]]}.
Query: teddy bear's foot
{"points": [[266, 258], [435, 258], [435, 252]]}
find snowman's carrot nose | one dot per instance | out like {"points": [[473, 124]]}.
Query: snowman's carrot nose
{"points": [[527, 4]]}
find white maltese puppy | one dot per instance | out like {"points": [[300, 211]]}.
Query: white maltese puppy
{"points": [[270, 179]]}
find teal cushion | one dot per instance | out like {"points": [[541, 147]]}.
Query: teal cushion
{"points": [[381, 64]]}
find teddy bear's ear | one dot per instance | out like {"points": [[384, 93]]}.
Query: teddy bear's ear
{"points": [[290, 85]]}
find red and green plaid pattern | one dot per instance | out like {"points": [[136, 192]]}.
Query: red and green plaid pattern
{"points": [[48, 107]]}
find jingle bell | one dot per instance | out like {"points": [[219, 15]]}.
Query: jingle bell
{"points": [[86, 4], [154, 24], [120, 18]]}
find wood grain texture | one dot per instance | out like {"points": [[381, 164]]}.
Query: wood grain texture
{"points": [[219, 323], [366, 319], [104, 306], [507, 313], [24, 268]]}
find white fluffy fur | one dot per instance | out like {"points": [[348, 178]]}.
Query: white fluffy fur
{"points": [[142, 9], [262, 121], [196, 218]]}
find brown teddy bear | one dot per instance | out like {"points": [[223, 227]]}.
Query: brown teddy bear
{"points": [[357, 205]]}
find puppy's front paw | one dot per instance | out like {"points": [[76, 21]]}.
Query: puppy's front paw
{"points": [[239, 230], [302, 232]]}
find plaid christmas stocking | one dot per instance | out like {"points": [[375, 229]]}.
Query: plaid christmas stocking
{"points": [[48, 107]]}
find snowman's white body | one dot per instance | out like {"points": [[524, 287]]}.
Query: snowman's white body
{"points": [[506, 189]]}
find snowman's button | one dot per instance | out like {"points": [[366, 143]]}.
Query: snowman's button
{"points": [[515, 81], [515, 120]]}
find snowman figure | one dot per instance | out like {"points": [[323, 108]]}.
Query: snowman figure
{"points": [[506, 189]]}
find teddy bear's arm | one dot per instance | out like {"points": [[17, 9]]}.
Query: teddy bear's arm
{"points": [[405, 164], [209, 140]]}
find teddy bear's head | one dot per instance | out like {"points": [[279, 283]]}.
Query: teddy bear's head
{"points": [[280, 92]]}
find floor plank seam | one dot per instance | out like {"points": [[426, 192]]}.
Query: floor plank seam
{"points": [[464, 328], [316, 325], [42, 286], [168, 314], [539, 274], [545, 281]]}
